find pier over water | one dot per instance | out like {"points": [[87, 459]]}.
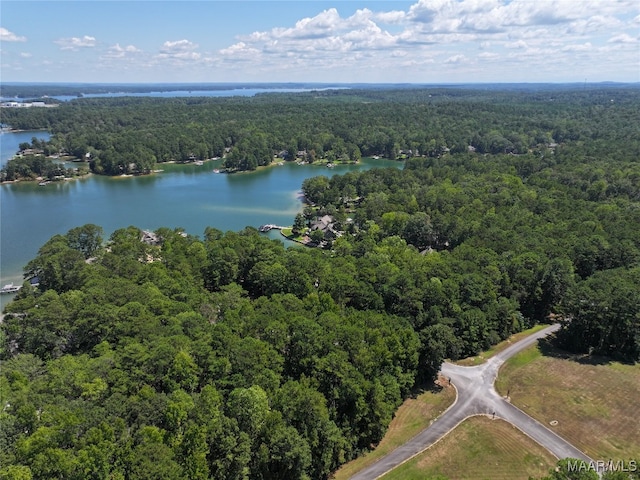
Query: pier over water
{"points": [[270, 226]]}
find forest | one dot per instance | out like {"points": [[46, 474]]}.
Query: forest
{"points": [[131, 135], [230, 356]]}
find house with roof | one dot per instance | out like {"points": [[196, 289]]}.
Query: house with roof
{"points": [[150, 238], [326, 225]]}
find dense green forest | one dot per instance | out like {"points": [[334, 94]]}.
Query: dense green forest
{"points": [[130, 135], [229, 356]]}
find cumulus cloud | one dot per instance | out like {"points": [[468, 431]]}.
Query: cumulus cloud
{"points": [[492, 16], [456, 59], [7, 36], [116, 51], [623, 38], [519, 44], [179, 50], [446, 32], [393, 17], [239, 51], [584, 47], [324, 34], [488, 56], [178, 45], [319, 26], [75, 43], [593, 24]]}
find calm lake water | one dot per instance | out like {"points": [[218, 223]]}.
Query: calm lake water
{"points": [[187, 196], [232, 92]]}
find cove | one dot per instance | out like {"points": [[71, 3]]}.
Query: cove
{"points": [[10, 142], [188, 196]]}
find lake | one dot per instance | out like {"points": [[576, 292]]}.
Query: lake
{"points": [[228, 92], [187, 196]]}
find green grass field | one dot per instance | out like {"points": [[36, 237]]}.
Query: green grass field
{"points": [[479, 448], [594, 401]]}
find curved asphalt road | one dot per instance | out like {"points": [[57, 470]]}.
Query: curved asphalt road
{"points": [[476, 396]]}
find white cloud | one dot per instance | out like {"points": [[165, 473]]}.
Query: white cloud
{"points": [[75, 43], [393, 17], [116, 51], [25, 55], [7, 36], [519, 44], [417, 62], [179, 50], [439, 31], [320, 26], [326, 40], [456, 59], [593, 24], [178, 45], [493, 16], [239, 51], [426, 11], [623, 38], [585, 47]]}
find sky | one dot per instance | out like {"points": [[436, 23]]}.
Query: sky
{"points": [[346, 41]]}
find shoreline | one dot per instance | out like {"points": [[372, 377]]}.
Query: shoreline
{"points": [[41, 179], [309, 244], [317, 163]]}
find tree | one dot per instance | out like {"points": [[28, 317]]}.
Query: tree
{"points": [[314, 189], [151, 459], [86, 239], [317, 236], [249, 406], [57, 266], [419, 231], [299, 224], [602, 315]]}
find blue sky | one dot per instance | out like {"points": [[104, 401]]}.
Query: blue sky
{"points": [[424, 41]]}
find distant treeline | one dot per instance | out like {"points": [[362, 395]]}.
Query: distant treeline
{"points": [[130, 135]]}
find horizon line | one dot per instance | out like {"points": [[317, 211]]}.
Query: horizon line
{"points": [[324, 83]]}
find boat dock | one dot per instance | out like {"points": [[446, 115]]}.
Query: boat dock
{"points": [[270, 226]]}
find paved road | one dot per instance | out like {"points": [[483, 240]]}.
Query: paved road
{"points": [[477, 396]]}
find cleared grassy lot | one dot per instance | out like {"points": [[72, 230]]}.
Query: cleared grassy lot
{"points": [[479, 448], [593, 400], [413, 416]]}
